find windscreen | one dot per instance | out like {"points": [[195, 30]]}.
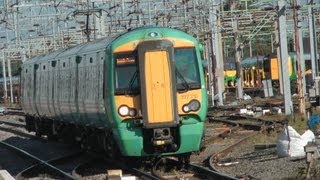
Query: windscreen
{"points": [[127, 72], [187, 70]]}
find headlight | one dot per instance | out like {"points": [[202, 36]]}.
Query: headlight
{"points": [[193, 105], [132, 112], [124, 110]]}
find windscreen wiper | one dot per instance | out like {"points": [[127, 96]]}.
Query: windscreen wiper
{"points": [[184, 82], [133, 79]]}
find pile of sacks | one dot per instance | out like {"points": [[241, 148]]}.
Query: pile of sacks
{"points": [[291, 143]]}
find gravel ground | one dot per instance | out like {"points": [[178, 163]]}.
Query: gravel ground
{"points": [[262, 164], [259, 164]]}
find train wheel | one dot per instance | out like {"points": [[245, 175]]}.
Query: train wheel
{"points": [[185, 158], [29, 123], [52, 135], [110, 147]]}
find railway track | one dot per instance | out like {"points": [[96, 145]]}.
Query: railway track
{"points": [[100, 164], [58, 172], [40, 168], [20, 125], [149, 170], [15, 129], [185, 171], [214, 160], [244, 121], [235, 123], [223, 133], [255, 125], [27, 147], [191, 169]]}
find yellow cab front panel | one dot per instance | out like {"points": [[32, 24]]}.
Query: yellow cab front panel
{"points": [[158, 87], [159, 99]]}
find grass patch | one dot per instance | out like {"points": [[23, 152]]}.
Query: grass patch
{"points": [[298, 122]]}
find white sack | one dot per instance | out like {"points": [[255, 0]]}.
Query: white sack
{"points": [[294, 147], [308, 136]]}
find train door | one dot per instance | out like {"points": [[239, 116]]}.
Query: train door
{"points": [[274, 69], [73, 85], [48, 84], [158, 89], [70, 93], [59, 85], [56, 87], [51, 67], [81, 89], [76, 79], [64, 90], [27, 89], [92, 80], [100, 79], [43, 89], [36, 86]]}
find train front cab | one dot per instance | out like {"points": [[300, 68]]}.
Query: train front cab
{"points": [[160, 97]]}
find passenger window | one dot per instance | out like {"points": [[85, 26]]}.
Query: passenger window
{"points": [[78, 59], [53, 63]]}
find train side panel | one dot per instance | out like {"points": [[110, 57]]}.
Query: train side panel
{"points": [[82, 78]]}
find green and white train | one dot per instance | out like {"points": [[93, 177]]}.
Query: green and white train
{"points": [[141, 93]]}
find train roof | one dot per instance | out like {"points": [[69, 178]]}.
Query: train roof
{"points": [[102, 43], [252, 61], [144, 33], [75, 50], [34, 59]]}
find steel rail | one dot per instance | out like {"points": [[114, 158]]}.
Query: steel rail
{"points": [[121, 164], [144, 174], [264, 124], [197, 169], [213, 174], [136, 171], [42, 162], [223, 134], [20, 133], [13, 124], [216, 157], [51, 161]]}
